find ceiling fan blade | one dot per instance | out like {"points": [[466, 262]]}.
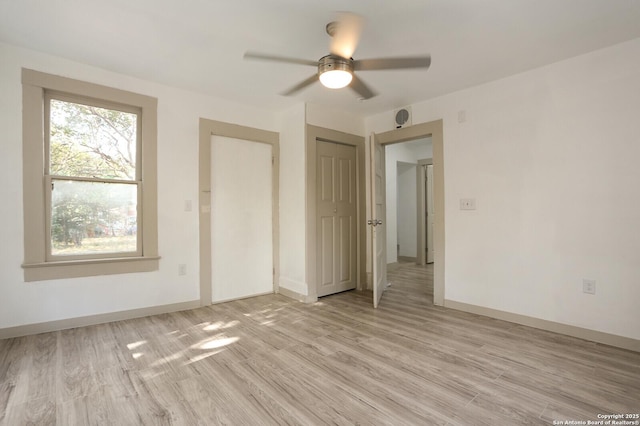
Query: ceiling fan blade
{"points": [[345, 34], [362, 89], [392, 63], [275, 58], [301, 85]]}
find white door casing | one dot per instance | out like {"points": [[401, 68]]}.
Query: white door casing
{"points": [[378, 220]]}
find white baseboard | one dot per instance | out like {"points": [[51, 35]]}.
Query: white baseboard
{"points": [[295, 290], [297, 296], [46, 327], [248, 296], [556, 327], [296, 286]]}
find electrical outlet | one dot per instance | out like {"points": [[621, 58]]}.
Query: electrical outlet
{"points": [[182, 269], [589, 286]]}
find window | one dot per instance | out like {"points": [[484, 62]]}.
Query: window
{"points": [[92, 178], [89, 179]]}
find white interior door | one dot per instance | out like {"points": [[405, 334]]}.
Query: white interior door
{"points": [[241, 218], [430, 213], [378, 220], [336, 227]]}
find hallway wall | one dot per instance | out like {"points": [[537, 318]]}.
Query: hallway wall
{"points": [[408, 152]]}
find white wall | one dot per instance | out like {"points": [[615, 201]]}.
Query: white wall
{"points": [[292, 199], [407, 210], [342, 121], [408, 152], [178, 114], [551, 156]]}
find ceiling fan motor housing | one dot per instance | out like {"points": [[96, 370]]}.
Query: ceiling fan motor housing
{"points": [[334, 62]]}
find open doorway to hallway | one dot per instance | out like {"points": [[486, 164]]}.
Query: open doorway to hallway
{"points": [[406, 264], [379, 143]]}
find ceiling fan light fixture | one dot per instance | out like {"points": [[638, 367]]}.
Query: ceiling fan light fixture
{"points": [[335, 72], [336, 79]]}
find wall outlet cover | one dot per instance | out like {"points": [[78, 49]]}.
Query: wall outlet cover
{"points": [[467, 204]]}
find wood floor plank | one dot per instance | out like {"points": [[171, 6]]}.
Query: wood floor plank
{"points": [[39, 411], [13, 356], [36, 380], [270, 360], [245, 398], [383, 397]]}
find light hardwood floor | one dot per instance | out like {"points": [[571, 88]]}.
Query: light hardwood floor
{"points": [[271, 360]]}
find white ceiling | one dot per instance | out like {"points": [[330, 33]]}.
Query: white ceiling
{"points": [[199, 44]]}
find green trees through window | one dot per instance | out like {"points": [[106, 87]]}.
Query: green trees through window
{"points": [[94, 178]]}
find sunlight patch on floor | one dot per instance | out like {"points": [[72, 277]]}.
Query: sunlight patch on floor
{"points": [[134, 345], [203, 356], [218, 343], [220, 325], [167, 359]]}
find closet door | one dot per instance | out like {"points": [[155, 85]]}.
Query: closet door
{"points": [[336, 227], [241, 218]]}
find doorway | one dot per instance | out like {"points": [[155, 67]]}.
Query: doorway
{"points": [[434, 130], [242, 212], [315, 136], [238, 183], [402, 161]]}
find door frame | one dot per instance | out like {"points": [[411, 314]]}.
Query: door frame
{"points": [[434, 129], [313, 135], [421, 203], [378, 192], [210, 128]]}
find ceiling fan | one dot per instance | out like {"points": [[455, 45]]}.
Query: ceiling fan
{"points": [[337, 69]]}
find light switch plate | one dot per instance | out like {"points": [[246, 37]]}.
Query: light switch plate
{"points": [[589, 286]]}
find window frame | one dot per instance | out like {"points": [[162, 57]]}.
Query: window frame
{"points": [[39, 264], [50, 95]]}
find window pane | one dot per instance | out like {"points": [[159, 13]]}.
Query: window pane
{"points": [[93, 217], [88, 141]]}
